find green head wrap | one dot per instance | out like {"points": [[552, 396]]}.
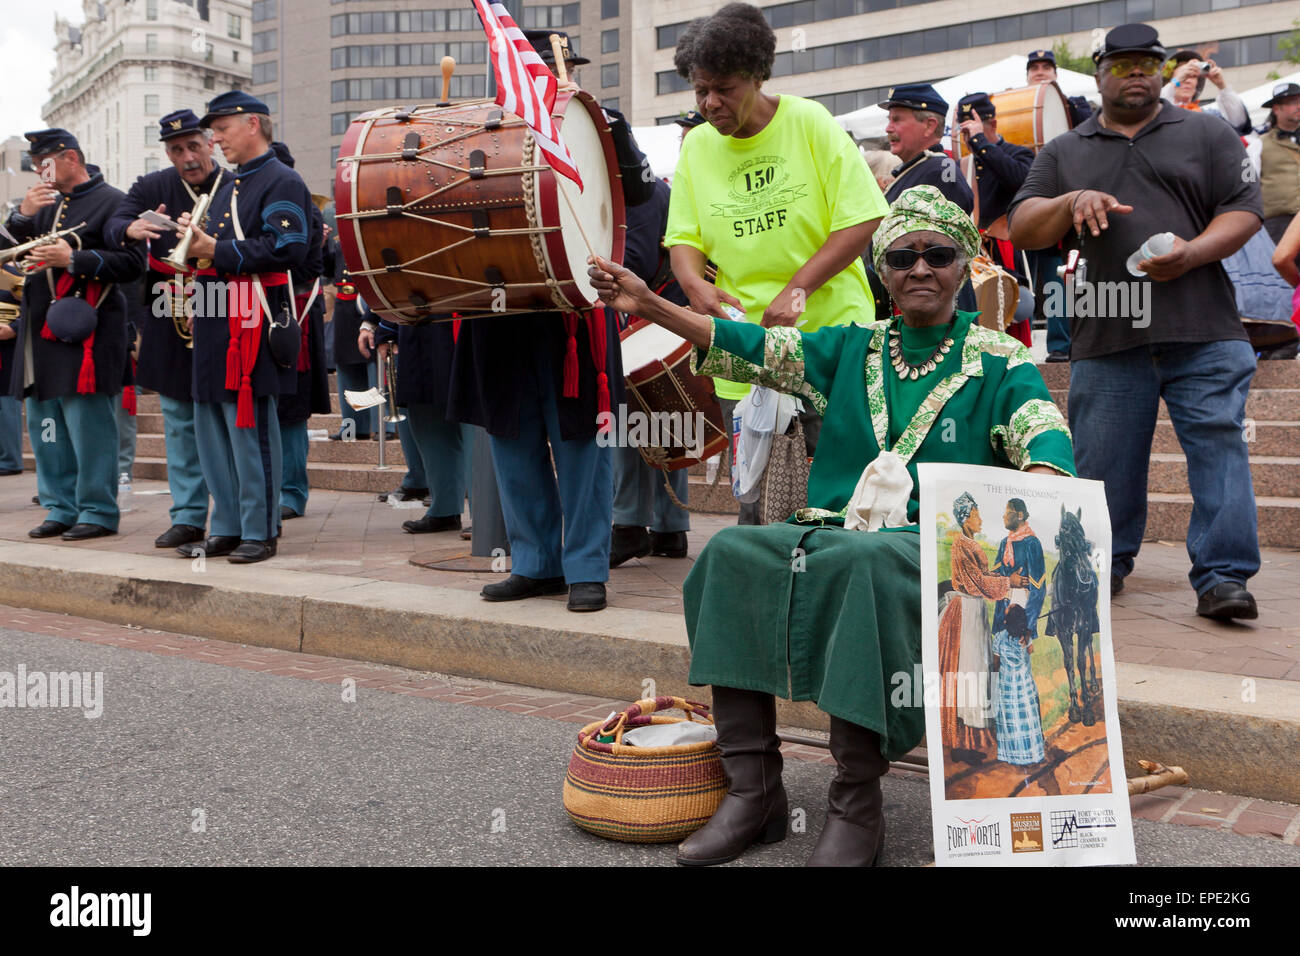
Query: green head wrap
{"points": [[923, 209]]}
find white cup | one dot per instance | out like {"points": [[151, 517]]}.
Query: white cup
{"points": [[1161, 244]]}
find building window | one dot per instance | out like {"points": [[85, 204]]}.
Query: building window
{"points": [[266, 40], [234, 26], [151, 104], [151, 43], [556, 15], [151, 164], [234, 56], [334, 155], [608, 41], [151, 10], [608, 8], [339, 122], [610, 104], [404, 88], [265, 10], [151, 74], [267, 72], [209, 81], [609, 75], [272, 101], [150, 135], [208, 53], [405, 54]]}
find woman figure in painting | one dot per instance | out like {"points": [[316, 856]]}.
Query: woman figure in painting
{"points": [[966, 705], [840, 623]]}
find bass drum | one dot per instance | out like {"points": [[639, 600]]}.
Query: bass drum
{"points": [[1029, 116], [452, 212]]}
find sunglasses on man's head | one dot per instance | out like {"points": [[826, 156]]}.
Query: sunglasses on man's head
{"points": [[936, 257], [1123, 65]]}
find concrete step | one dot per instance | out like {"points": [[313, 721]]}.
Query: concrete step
{"points": [[325, 475], [1271, 374], [712, 499], [1268, 438], [1262, 404], [1279, 519], [1271, 476]]}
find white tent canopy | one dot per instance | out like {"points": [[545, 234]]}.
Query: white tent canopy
{"points": [[661, 145], [869, 122]]}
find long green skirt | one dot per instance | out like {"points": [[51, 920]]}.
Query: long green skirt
{"points": [[819, 614]]}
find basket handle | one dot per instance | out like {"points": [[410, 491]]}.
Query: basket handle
{"points": [[616, 725]]}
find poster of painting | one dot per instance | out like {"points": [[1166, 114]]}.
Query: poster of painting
{"points": [[1022, 723]]}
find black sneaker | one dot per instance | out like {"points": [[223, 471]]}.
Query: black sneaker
{"points": [[517, 587], [1227, 600], [627, 541], [587, 596]]}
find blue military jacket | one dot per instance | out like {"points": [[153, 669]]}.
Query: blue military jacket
{"points": [[273, 204], [1028, 553], [932, 168], [165, 364], [312, 390], [424, 360], [55, 364]]}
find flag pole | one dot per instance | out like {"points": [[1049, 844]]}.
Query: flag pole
{"points": [[557, 50]]}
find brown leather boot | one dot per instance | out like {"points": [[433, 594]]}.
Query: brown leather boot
{"points": [[755, 807], [854, 834]]}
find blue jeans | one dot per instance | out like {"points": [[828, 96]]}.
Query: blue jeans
{"points": [[1113, 405]]}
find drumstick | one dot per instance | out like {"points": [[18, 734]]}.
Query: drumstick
{"points": [[448, 67], [557, 51]]}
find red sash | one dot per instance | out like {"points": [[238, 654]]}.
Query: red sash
{"points": [[245, 338], [94, 288], [596, 336]]}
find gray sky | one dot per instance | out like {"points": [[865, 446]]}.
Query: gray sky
{"points": [[27, 52]]}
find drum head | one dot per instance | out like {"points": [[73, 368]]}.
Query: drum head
{"points": [[645, 343], [1055, 113], [594, 206]]}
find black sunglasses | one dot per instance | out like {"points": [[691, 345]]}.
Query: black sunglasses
{"points": [[936, 257]]}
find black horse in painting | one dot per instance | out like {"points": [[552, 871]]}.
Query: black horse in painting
{"points": [[1073, 618]]}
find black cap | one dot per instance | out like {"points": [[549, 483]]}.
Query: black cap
{"points": [[1035, 56], [977, 103], [233, 103], [1281, 91], [1130, 38], [43, 141], [690, 120], [916, 96], [178, 123], [282, 153], [541, 41]]}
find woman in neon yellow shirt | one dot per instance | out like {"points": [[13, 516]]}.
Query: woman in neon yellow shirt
{"points": [[771, 189]]}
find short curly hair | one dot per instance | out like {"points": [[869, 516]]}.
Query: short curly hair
{"points": [[734, 41]]}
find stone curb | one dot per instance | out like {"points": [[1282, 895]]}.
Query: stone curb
{"points": [[1230, 734]]}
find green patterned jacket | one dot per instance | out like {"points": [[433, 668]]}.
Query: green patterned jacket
{"points": [[985, 404]]}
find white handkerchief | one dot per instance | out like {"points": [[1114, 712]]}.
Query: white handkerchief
{"points": [[1020, 597], [880, 499]]}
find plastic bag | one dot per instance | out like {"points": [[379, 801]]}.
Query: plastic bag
{"points": [[670, 735], [758, 416]]}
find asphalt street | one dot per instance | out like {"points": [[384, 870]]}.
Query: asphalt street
{"points": [[193, 763]]}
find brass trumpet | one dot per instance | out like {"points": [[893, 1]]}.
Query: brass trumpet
{"points": [[13, 252], [176, 258], [394, 414]]}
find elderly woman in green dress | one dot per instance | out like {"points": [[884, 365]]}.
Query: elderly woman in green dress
{"points": [[812, 610]]}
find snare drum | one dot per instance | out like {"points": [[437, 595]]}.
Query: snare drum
{"points": [[453, 209], [1028, 116], [657, 366]]}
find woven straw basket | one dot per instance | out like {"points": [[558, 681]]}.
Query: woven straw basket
{"points": [[643, 794]]}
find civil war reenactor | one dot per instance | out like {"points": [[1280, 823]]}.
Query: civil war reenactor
{"points": [[917, 114], [11, 409], [311, 393], [166, 360], [71, 357], [245, 356], [1040, 67]]}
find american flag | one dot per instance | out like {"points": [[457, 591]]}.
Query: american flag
{"points": [[525, 85]]}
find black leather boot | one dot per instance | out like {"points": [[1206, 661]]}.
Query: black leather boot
{"points": [[627, 542], [854, 834], [755, 808]]}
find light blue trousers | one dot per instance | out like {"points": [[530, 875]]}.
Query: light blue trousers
{"points": [[74, 442]]}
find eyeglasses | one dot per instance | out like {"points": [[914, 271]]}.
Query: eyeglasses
{"points": [[1146, 65], [936, 257]]}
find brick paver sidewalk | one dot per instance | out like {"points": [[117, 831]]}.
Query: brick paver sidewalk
{"points": [[350, 533]]}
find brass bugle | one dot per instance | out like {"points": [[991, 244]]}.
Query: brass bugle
{"points": [[395, 414], [176, 258], [13, 252]]}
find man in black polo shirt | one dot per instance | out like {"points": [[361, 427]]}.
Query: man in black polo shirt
{"points": [[1141, 167]]}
